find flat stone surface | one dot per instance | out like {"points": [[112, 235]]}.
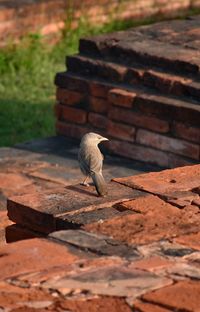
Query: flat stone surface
{"points": [[47, 212], [99, 244], [112, 281]]}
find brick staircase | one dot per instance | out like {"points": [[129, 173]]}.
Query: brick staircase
{"points": [[139, 87]]}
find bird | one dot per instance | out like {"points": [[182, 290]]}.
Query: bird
{"points": [[91, 161]]}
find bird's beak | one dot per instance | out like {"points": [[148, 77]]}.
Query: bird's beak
{"points": [[104, 139]]}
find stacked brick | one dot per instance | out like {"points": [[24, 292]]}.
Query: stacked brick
{"points": [[17, 17], [140, 88]]}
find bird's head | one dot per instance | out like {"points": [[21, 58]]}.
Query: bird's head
{"points": [[92, 138]]}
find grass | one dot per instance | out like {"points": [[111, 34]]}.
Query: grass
{"points": [[27, 73]]}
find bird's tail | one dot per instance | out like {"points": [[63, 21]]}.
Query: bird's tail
{"points": [[99, 183]]}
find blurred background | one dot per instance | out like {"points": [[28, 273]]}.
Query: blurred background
{"points": [[35, 38]]}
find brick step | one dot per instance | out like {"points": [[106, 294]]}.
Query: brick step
{"points": [[144, 99], [163, 82], [130, 47], [67, 208]]}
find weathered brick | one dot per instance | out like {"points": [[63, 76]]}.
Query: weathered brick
{"points": [[141, 306], [52, 210], [167, 181], [68, 97], [177, 296], [167, 108], [94, 67], [97, 120], [98, 105], [98, 89], [71, 130], [138, 119], [121, 131], [67, 81], [121, 97], [153, 220], [164, 143], [186, 132], [142, 153], [72, 114], [33, 254]]}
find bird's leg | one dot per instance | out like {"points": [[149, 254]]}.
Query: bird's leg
{"points": [[84, 182]]}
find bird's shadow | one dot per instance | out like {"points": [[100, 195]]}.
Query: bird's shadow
{"points": [[79, 189]]}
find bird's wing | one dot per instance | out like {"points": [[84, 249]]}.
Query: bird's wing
{"points": [[90, 159]]}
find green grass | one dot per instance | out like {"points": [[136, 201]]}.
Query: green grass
{"points": [[27, 71]]}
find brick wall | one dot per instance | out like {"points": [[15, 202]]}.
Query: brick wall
{"points": [[18, 17], [140, 88]]}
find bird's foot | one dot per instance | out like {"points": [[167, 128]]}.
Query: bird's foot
{"points": [[85, 184]]}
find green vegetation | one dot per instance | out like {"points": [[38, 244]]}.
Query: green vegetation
{"points": [[27, 91]]}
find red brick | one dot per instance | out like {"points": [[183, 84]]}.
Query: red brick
{"points": [[33, 255], [164, 143], [165, 182], [153, 220], [138, 119], [142, 153], [189, 240], [14, 181], [153, 263], [121, 131], [67, 81], [75, 115], [101, 304], [70, 130], [183, 296], [68, 97], [141, 306], [97, 120], [178, 161], [98, 105], [121, 97], [98, 89], [186, 132]]}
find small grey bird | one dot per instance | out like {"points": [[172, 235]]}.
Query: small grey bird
{"points": [[91, 161]]}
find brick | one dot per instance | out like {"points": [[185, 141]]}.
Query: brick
{"points": [[68, 81], [165, 182], [14, 181], [53, 210], [97, 120], [121, 97], [153, 220], [141, 306], [186, 132], [68, 97], [164, 143], [71, 130], [138, 119], [33, 255], [101, 304], [177, 296], [98, 105], [164, 107], [153, 263], [98, 89], [88, 67], [121, 131], [142, 153], [191, 240], [73, 114]]}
